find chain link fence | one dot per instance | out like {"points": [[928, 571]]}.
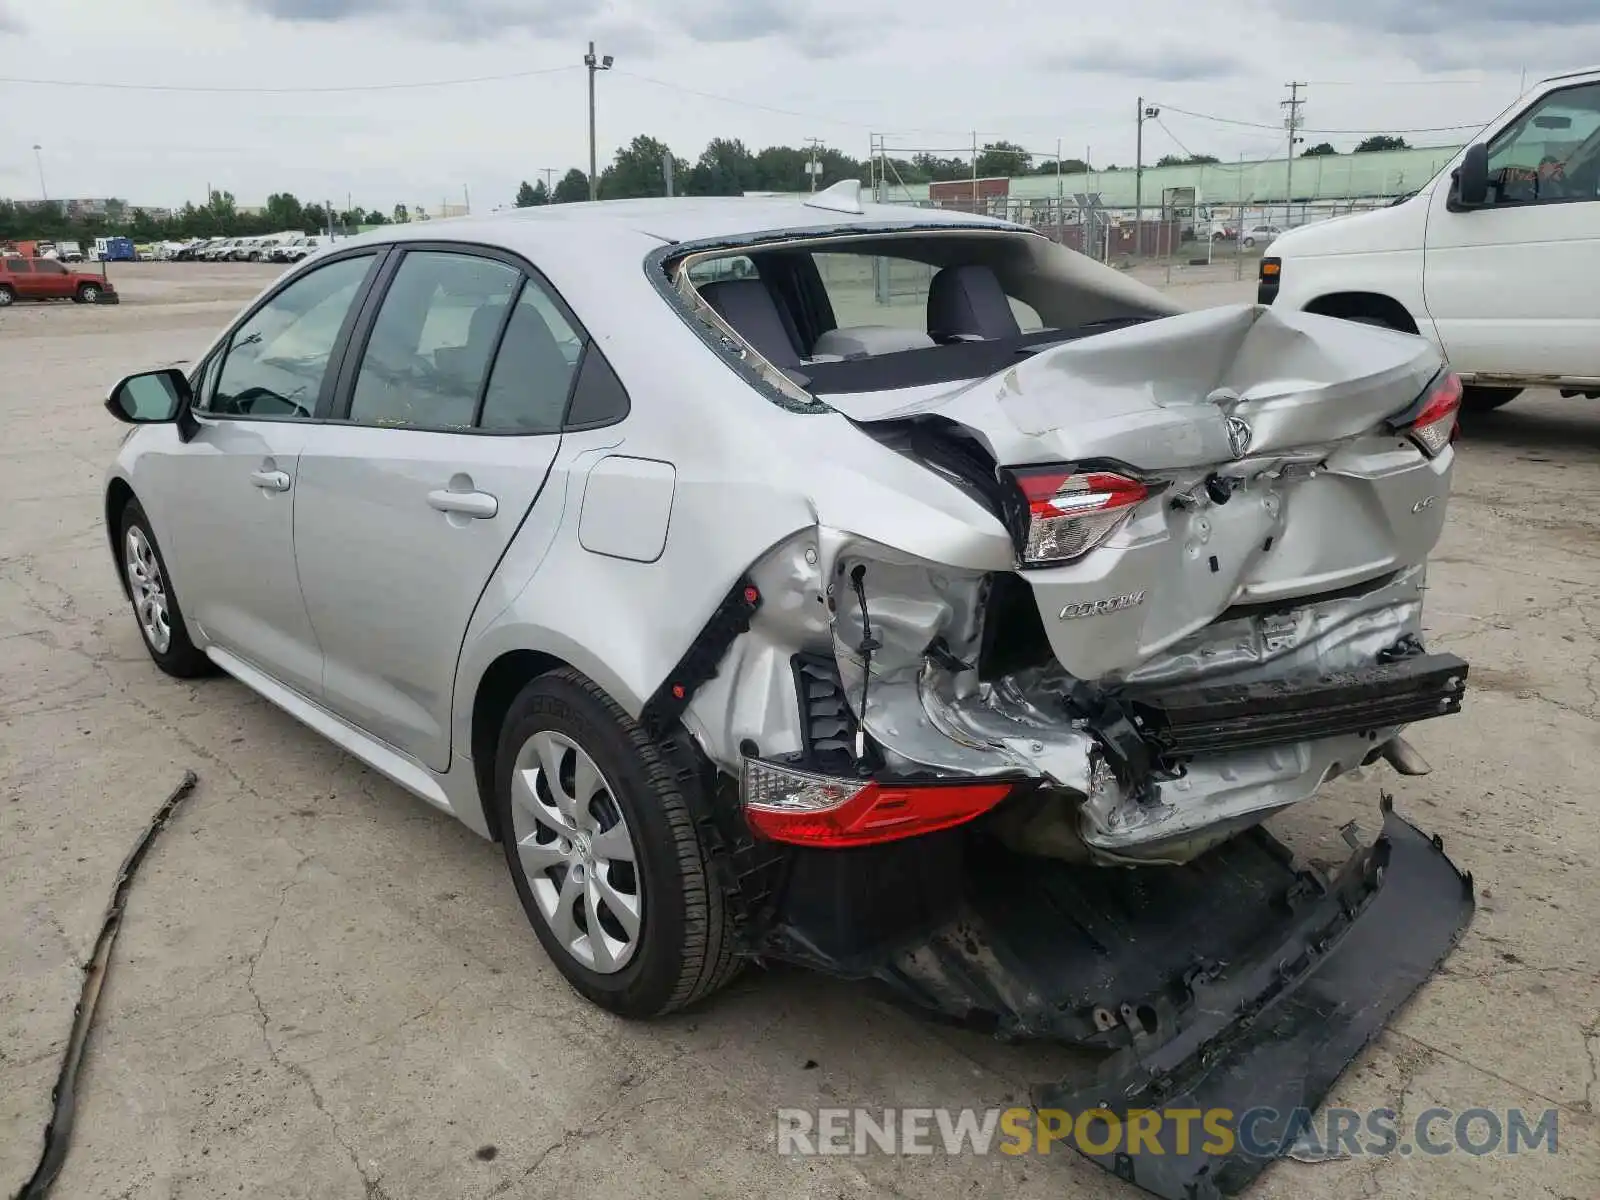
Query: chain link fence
{"points": [[1205, 234]]}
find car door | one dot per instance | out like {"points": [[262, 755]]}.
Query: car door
{"points": [[1510, 285], [53, 280], [228, 520], [451, 416], [19, 274]]}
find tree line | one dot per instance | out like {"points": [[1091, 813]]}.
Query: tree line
{"points": [[218, 217], [726, 167]]}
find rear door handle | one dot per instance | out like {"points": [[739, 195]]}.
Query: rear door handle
{"points": [[270, 481], [468, 504]]}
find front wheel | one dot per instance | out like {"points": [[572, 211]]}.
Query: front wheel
{"points": [[1486, 399], [605, 854], [155, 604], [89, 293]]}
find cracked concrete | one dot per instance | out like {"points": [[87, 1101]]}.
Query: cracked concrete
{"points": [[326, 989]]}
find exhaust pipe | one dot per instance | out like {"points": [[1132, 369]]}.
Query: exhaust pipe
{"points": [[1403, 757]]}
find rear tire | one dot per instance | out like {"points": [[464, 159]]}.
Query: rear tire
{"points": [[1486, 399], [7, 296], [615, 794], [155, 604]]}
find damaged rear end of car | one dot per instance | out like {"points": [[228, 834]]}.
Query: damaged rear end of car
{"points": [[1015, 767]]}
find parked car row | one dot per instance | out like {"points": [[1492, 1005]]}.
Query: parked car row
{"points": [[52, 251], [275, 247]]}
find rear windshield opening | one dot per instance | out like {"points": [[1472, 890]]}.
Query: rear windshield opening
{"points": [[869, 314]]}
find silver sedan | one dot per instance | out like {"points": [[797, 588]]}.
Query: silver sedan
{"points": [[708, 553]]}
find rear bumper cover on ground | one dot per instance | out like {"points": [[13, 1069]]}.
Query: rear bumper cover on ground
{"points": [[1240, 981]]}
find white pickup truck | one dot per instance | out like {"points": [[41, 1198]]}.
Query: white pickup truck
{"points": [[1496, 260]]}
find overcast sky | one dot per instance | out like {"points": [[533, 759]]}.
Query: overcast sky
{"points": [[927, 72]]}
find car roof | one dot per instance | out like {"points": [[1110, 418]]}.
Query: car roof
{"points": [[679, 219]]}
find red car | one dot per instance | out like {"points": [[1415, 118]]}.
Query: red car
{"points": [[46, 279]]}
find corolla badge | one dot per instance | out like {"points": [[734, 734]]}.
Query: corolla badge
{"points": [[1239, 435], [1095, 608]]}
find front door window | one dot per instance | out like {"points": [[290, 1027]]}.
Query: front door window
{"points": [[1552, 153]]}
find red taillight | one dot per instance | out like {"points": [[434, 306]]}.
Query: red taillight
{"points": [[1435, 426], [1070, 513], [784, 804]]}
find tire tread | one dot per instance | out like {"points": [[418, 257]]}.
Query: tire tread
{"points": [[709, 951]]}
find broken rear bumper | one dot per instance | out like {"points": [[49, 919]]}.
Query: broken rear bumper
{"points": [[1240, 981]]}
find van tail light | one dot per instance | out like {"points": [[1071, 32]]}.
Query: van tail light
{"points": [[786, 804], [1064, 514], [1437, 422]]}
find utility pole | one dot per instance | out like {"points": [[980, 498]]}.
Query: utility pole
{"points": [[44, 195], [1145, 114], [813, 167], [1238, 232], [974, 172], [594, 64], [549, 174], [466, 199], [1292, 123]]}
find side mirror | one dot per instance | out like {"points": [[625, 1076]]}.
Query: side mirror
{"points": [[150, 398], [1472, 177]]}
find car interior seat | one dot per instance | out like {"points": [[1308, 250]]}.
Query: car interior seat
{"points": [[755, 315], [966, 304]]}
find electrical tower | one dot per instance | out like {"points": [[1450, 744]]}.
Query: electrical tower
{"points": [[1292, 123]]}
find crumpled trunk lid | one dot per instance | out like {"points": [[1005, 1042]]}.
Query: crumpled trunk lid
{"points": [[1263, 434], [1157, 395]]}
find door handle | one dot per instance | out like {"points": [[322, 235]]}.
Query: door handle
{"points": [[468, 504], [270, 481]]}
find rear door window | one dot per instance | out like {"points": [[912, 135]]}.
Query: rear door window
{"points": [[430, 349], [533, 371]]}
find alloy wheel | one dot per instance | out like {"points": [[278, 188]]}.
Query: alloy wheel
{"points": [[577, 852], [149, 591], [90, 293]]}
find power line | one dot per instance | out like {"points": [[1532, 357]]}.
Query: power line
{"points": [[282, 91], [1353, 132], [1174, 137], [785, 112], [782, 112]]}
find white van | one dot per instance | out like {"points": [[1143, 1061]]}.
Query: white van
{"points": [[1496, 260]]}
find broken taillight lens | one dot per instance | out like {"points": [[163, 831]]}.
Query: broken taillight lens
{"points": [[1435, 425], [1069, 512], [787, 804]]}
